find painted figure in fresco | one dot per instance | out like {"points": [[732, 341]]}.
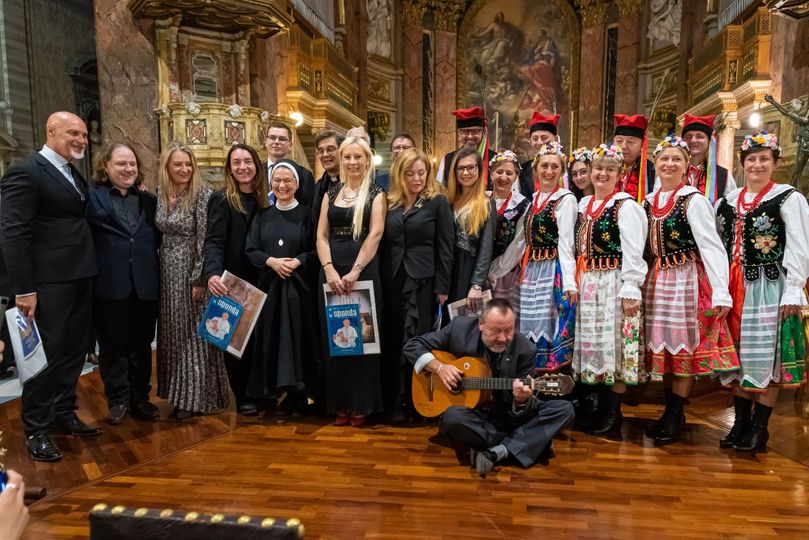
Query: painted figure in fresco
{"points": [[497, 41], [542, 74], [799, 115]]}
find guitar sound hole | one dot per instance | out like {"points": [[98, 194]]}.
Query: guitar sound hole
{"points": [[458, 388]]}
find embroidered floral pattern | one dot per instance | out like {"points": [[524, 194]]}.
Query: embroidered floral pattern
{"points": [[765, 243]]}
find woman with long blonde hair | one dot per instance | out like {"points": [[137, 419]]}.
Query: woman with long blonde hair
{"points": [[475, 221], [190, 371], [416, 264], [352, 218]]}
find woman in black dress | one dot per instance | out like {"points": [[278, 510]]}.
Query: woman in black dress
{"points": [[230, 212], [352, 218], [281, 244], [416, 264], [475, 222]]}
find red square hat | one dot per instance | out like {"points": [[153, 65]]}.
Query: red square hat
{"points": [[472, 117], [541, 122], [633, 126], [699, 123]]}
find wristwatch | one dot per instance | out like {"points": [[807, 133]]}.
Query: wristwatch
{"points": [[477, 287]]}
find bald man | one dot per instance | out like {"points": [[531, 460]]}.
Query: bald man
{"points": [[51, 262]]}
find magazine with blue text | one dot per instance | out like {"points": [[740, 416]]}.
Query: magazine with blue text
{"points": [[219, 322]]}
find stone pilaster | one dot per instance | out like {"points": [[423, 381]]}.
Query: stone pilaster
{"points": [[626, 80], [412, 94], [591, 85], [444, 90]]}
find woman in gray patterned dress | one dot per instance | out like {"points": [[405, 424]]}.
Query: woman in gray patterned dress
{"points": [[191, 373]]}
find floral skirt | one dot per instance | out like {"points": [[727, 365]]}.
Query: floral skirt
{"points": [[771, 351], [545, 314], [683, 336], [609, 346]]}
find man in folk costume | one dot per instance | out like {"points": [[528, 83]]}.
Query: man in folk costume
{"points": [[630, 135], [543, 130], [704, 173], [471, 125]]}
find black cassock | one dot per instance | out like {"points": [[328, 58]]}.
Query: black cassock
{"points": [[284, 348]]}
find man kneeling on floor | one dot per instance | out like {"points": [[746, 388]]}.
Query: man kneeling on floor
{"points": [[518, 425]]}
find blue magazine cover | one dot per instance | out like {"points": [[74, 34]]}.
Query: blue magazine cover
{"points": [[219, 322], [345, 330]]}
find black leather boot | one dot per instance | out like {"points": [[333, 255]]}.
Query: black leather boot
{"points": [[742, 409], [673, 421], [652, 429], [610, 415], [756, 436]]}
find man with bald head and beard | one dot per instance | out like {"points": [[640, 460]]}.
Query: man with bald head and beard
{"points": [[516, 424], [48, 248]]}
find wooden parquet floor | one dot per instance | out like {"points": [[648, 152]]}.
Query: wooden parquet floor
{"points": [[405, 482]]}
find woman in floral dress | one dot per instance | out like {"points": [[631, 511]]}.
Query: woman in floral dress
{"points": [[765, 229]]}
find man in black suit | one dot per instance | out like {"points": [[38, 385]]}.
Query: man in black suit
{"points": [[471, 126], [520, 425], [398, 144], [51, 262], [278, 143]]}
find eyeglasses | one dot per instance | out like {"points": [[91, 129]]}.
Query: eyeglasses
{"points": [[472, 132], [400, 148], [327, 150], [466, 168], [274, 138], [284, 181]]}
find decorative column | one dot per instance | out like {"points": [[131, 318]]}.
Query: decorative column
{"points": [[412, 96], [626, 80], [725, 150], [591, 86], [446, 43]]}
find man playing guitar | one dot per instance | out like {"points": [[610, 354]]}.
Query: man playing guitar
{"points": [[519, 425]]}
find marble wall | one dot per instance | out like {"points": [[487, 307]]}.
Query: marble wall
{"points": [[356, 50], [626, 80], [789, 57], [127, 79], [591, 87]]}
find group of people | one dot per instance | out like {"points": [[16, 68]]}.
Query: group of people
{"points": [[605, 265]]}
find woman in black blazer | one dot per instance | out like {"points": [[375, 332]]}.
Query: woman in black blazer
{"points": [[416, 264], [230, 212], [127, 288]]}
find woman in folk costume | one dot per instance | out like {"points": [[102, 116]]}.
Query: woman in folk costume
{"points": [[511, 207], [545, 289], [686, 297], [765, 229], [610, 236]]}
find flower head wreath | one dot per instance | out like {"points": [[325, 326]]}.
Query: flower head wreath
{"points": [[671, 141], [552, 148], [762, 139], [505, 156], [583, 154], [611, 152]]}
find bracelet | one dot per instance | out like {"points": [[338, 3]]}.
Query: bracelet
{"points": [[358, 265], [437, 371], [477, 287], [325, 265]]}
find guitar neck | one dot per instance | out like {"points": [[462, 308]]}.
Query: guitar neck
{"points": [[490, 383]]}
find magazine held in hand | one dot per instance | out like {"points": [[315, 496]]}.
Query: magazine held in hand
{"points": [[352, 321], [229, 320]]}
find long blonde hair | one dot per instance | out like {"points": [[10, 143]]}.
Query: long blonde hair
{"points": [[365, 184], [165, 181], [475, 211], [397, 192]]}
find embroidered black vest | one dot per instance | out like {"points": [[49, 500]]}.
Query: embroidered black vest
{"points": [[763, 236], [507, 227], [542, 233], [671, 240], [599, 241]]}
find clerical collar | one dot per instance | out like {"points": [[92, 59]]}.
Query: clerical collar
{"points": [[290, 206]]}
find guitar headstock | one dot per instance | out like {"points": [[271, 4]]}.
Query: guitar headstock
{"points": [[552, 384]]}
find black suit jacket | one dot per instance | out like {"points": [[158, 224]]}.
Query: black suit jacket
{"points": [[306, 188], [461, 337], [423, 240], [127, 261], [46, 237], [527, 180], [225, 240]]}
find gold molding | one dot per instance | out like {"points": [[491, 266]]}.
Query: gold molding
{"points": [[413, 11], [446, 14], [593, 12], [575, 62], [629, 7]]}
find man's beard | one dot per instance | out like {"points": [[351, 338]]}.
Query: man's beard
{"points": [[77, 155]]}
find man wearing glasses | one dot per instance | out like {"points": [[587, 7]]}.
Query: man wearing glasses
{"points": [[327, 147], [471, 126], [399, 144], [278, 143]]}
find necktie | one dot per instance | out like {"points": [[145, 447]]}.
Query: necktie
{"points": [[71, 176]]}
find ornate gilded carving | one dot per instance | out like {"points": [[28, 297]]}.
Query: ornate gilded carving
{"points": [[663, 121], [413, 11], [593, 12], [446, 14], [629, 7], [379, 124], [378, 88], [264, 17]]}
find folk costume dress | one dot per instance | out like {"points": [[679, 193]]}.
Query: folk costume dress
{"points": [[543, 250], [688, 277], [767, 238], [353, 382], [509, 214], [610, 237]]}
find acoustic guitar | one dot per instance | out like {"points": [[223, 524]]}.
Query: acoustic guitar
{"points": [[431, 398]]}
